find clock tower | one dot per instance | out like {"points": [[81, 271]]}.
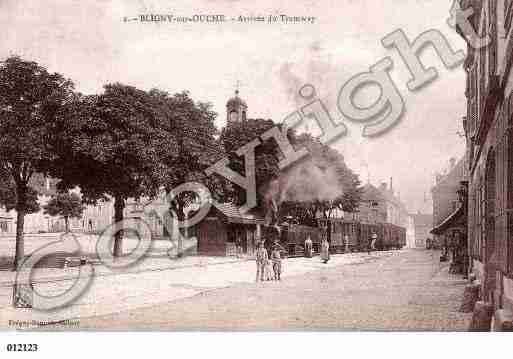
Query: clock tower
{"points": [[236, 109]]}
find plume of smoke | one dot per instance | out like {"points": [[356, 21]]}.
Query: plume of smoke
{"points": [[306, 182]]}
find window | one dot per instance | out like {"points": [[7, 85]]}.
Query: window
{"points": [[508, 10]]}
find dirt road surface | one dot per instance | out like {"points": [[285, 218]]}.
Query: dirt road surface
{"points": [[407, 291]]}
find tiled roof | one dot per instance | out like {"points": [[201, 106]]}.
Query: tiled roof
{"points": [[234, 215]]}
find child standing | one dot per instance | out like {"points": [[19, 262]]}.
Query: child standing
{"points": [[276, 259], [268, 271], [261, 259]]}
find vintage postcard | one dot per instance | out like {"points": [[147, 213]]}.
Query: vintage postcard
{"points": [[256, 166]]}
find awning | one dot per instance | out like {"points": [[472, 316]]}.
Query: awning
{"points": [[450, 221]]}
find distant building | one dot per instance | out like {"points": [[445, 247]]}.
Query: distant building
{"points": [[450, 215], [236, 109], [444, 192], [6, 222], [422, 224], [380, 205], [38, 222]]}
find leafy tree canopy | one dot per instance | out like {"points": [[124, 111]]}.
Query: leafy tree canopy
{"points": [[65, 204], [8, 197], [31, 99], [267, 155], [68, 205], [111, 144], [191, 125]]}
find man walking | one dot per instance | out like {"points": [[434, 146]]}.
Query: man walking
{"points": [[308, 247], [346, 244], [238, 247], [372, 242], [261, 258]]}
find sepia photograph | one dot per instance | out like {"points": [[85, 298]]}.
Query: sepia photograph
{"points": [[269, 166]]}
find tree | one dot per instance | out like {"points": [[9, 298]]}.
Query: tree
{"points": [[30, 101], [111, 145], [267, 156], [319, 183], [192, 126], [8, 197], [68, 205]]}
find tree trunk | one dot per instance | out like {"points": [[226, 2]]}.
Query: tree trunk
{"points": [[181, 217], [66, 222], [21, 194], [119, 206], [18, 258]]}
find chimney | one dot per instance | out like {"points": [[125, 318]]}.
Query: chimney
{"points": [[391, 186]]}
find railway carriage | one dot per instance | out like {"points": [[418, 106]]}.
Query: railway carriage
{"points": [[359, 234]]}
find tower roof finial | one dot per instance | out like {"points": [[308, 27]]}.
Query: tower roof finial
{"points": [[237, 87]]}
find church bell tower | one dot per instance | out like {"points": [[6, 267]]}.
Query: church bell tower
{"points": [[236, 109]]}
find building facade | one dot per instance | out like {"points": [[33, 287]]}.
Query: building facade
{"points": [[37, 222], [381, 205], [488, 128], [6, 222], [422, 225], [445, 195]]}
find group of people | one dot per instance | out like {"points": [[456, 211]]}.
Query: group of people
{"points": [[325, 249], [268, 266]]}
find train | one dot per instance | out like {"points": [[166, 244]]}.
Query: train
{"points": [[292, 236]]}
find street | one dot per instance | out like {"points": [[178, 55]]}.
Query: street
{"points": [[154, 280], [403, 290]]}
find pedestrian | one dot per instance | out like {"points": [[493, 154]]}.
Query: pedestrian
{"points": [[308, 247], [346, 243], [261, 259], [238, 247], [373, 241], [277, 244], [276, 259], [325, 251], [268, 270]]}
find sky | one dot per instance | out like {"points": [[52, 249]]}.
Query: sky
{"points": [[89, 43]]}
